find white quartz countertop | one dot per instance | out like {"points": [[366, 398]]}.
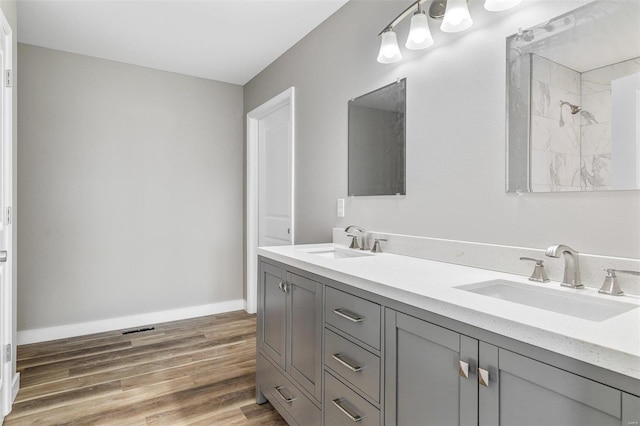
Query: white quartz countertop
{"points": [[613, 344]]}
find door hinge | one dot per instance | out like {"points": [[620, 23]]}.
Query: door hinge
{"points": [[7, 353], [8, 217], [8, 78]]}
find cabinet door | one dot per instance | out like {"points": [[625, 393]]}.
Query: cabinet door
{"points": [[305, 337], [272, 311], [423, 384], [522, 391], [630, 410]]}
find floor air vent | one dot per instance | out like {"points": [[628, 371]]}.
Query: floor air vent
{"points": [[138, 330]]}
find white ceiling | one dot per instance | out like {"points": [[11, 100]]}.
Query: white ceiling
{"points": [[224, 40]]}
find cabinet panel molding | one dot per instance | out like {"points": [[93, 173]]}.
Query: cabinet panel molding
{"points": [[441, 336], [630, 410], [422, 382], [585, 391], [304, 356], [273, 314], [353, 315], [367, 378]]}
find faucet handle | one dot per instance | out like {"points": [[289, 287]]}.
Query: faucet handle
{"points": [[538, 274], [354, 241], [376, 245], [610, 284]]}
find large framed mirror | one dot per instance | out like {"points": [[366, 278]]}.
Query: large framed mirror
{"points": [[573, 101], [377, 142]]}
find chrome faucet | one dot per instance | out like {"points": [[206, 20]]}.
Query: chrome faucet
{"points": [[354, 241], [571, 267]]}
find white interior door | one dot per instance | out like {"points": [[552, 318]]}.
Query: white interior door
{"points": [[274, 171], [270, 184], [6, 196]]}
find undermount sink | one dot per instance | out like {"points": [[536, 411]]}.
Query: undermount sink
{"points": [[575, 305], [337, 253]]}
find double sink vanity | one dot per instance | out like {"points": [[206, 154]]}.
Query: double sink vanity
{"points": [[348, 336]]}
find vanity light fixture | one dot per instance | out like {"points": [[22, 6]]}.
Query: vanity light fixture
{"points": [[455, 17], [389, 50], [419, 33]]}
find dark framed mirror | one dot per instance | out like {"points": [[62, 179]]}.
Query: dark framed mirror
{"points": [[377, 126]]}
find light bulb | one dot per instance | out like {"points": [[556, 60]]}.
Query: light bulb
{"points": [[499, 5], [456, 17], [419, 34], [389, 50]]}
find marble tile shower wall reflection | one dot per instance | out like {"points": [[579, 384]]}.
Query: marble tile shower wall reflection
{"points": [[555, 132], [596, 122], [572, 152]]}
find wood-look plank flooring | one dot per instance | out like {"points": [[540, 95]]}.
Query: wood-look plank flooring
{"points": [[193, 372]]}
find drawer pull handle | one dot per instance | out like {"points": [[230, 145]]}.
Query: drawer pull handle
{"points": [[354, 417], [354, 368], [483, 377], [348, 315], [287, 400]]}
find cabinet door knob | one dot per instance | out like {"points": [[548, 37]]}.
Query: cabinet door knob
{"points": [[463, 369], [483, 377], [286, 399], [354, 417]]}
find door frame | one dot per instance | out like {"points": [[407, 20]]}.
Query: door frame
{"points": [[252, 178], [7, 331]]}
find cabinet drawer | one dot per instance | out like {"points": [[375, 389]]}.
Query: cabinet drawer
{"points": [[346, 407], [282, 393], [362, 368], [353, 315]]}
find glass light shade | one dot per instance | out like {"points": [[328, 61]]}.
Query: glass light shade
{"points": [[389, 50], [419, 34], [499, 5], [456, 17]]}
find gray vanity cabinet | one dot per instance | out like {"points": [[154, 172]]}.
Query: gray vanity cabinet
{"points": [[385, 363], [523, 391], [435, 376], [430, 374], [290, 338]]}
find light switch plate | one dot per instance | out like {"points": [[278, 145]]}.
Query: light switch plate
{"points": [[340, 207]]}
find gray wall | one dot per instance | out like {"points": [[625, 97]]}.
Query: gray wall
{"points": [[455, 137], [129, 188]]}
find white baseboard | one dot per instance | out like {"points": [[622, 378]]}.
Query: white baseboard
{"points": [[15, 387], [79, 329]]}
